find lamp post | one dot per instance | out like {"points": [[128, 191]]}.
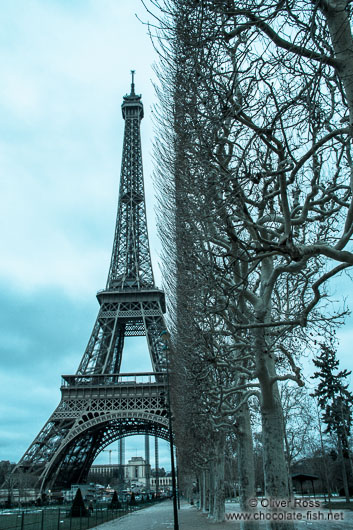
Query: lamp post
{"points": [[165, 338]]}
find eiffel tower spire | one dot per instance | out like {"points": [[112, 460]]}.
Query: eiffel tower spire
{"points": [[99, 405], [131, 265], [130, 278]]}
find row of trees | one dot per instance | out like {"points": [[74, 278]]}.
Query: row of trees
{"points": [[311, 448], [254, 170]]}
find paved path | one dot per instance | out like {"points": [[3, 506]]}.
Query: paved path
{"points": [[160, 517]]}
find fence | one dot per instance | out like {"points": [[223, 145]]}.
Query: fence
{"points": [[59, 518]]}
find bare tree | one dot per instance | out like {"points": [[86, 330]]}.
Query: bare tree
{"points": [[261, 157], [300, 425]]}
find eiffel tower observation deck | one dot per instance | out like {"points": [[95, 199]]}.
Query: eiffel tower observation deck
{"points": [[99, 404]]}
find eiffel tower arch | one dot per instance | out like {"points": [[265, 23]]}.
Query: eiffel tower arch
{"points": [[99, 404]]}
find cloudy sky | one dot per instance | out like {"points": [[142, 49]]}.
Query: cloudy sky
{"points": [[65, 66]]}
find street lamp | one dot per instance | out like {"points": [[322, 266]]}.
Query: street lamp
{"points": [[166, 338]]}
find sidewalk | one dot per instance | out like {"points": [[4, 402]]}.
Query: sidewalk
{"points": [[160, 517]]}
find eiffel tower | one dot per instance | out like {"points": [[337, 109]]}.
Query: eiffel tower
{"points": [[100, 405]]}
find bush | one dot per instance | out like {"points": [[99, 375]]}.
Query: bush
{"points": [[114, 503], [78, 508]]}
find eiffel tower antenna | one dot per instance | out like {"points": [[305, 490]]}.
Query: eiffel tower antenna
{"points": [[99, 404], [132, 82]]}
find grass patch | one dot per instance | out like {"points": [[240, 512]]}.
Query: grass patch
{"points": [[59, 519], [53, 519]]}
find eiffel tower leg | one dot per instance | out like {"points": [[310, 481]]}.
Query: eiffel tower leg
{"points": [[155, 325], [71, 462], [104, 350], [44, 445]]}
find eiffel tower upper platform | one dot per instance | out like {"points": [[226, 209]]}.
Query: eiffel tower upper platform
{"points": [[99, 404]]}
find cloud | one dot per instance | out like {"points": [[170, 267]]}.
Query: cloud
{"points": [[43, 335], [42, 327], [65, 67]]}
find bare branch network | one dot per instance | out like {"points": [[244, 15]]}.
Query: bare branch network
{"points": [[254, 171]]}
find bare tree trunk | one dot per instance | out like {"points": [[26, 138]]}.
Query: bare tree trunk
{"points": [[246, 466], [199, 490], [288, 461], [323, 454], [338, 22], [207, 491], [344, 470], [200, 481], [275, 467], [219, 495], [211, 496], [204, 492]]}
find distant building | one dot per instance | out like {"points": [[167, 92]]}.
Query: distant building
{"points": [[88, 492], [137, 471], [106, 469], [163, 482], [18, 496]]}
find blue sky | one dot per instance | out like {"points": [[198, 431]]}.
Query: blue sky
{"points": [[65, 67]]}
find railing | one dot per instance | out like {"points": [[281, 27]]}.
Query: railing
{"points": [[59, 518], [114, 379], [128, 289]]}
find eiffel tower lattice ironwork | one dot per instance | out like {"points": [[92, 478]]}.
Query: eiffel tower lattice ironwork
{"points": [[99, 404]]}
